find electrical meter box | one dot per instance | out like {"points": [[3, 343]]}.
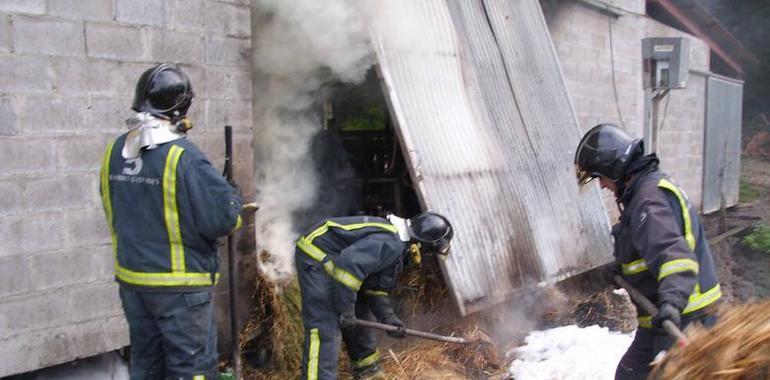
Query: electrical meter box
{"points": [[666, 62]]}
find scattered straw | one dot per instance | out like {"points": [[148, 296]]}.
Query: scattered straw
{"points": [[737, 348]]}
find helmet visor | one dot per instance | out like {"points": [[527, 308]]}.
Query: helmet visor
{"points": [[583, 177]]}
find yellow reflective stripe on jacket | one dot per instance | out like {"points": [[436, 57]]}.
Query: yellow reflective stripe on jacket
{"points": [[666, 184], [106, 201], [163, 279], [171, 210], [696, 302], [348, 227], [199, 377], [700, 300], [376, 293], [367, 361], [634, 267], [305, 244], [347, 279], [645, 321], [676, 266], [313, 354]]}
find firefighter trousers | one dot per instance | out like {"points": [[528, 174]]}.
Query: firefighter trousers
{"points": [[173, 336], [320, 352]]}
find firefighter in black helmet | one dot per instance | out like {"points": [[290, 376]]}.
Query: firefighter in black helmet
{"points": [[166, 206], [346, 268], [660, 245]]}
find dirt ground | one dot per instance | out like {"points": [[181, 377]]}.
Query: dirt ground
{"points": [[744, 274]]}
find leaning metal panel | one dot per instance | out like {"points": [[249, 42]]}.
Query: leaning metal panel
{"points": [[483, 112]]}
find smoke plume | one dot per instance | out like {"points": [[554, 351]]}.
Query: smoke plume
{"points": [[300, 46]]}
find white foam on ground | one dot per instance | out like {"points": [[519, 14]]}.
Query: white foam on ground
{"points": [[570, 353]]}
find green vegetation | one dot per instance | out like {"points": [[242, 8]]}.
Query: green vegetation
{"points": [[748, 192], [759, 239], [373, 119]]}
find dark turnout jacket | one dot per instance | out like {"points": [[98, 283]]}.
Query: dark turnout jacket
{"points": [[662, 248], [165, 211], [363, 254]]}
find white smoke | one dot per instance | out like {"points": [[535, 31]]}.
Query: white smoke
{"points": [[299, 47]]}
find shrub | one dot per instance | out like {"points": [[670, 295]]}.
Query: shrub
{"points": [[759, 239]]}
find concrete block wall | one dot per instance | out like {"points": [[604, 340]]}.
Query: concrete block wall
{"points": [[681, 135], [581, 36], [68, 73]]}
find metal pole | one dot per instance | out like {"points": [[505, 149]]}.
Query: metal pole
{"points": [[232, 272], [648, 307], [419, 334]]}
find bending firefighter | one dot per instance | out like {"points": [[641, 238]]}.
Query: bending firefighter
{"points": [[660, 244], [166, 206], [346, 267]]}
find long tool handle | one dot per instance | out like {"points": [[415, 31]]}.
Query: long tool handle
{"points": [[419, 334], [647, 305], [233, 273]]}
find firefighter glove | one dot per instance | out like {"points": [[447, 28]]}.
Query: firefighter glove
{"points": [[667, 311], [394, 321], [347, 319]]}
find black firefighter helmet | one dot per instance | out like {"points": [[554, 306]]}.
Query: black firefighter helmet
{"points": [[605, 150], [164, 91], [432, 231]]}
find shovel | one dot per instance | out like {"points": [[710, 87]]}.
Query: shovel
{"points": [[419, 334]]}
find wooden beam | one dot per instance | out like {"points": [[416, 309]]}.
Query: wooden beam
{"points": [[693, 28]]}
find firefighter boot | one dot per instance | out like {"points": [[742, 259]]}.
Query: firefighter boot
{"points": [[371, 372]]}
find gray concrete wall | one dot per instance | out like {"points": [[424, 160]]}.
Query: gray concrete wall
{"points": [[581, 35], [68, 72]]}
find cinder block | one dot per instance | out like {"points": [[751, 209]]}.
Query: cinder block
{"points": [[20, 315], [9, 116], [64, 268], [26, 156], [47, 36], [95, 301], [39, 232], [14, 275], [5, 33], [87, 228], [36, 7], [123, 43], [10, 228], [88, 76], [46, 114], [170, 46], [238, 21], [228, 51], [233, 112], [81, 153], [57, 192], [141, 12], [93, 10], [25, 74], [227, 83], [109, 115], [12, 200], [196, 16], [30, 351]]}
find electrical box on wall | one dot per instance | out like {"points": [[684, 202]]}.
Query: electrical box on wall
{"points": [[666, 62]]}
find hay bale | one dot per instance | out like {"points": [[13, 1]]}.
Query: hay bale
{"points": [[271, 342], [738, 347]]}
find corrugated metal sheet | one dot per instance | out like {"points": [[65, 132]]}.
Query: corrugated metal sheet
{"points": [[483, 112], [722, 145]]}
